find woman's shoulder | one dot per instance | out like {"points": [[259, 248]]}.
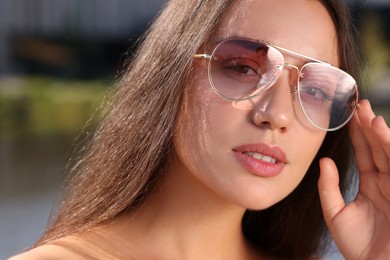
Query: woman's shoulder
{"points": [[77, 246], [49, 252], [68, 247]]}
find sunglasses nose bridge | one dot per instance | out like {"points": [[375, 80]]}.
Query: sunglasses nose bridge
{"points": [[294, 81], [289, 65]]}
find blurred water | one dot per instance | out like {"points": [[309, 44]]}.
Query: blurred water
{"points": [[31, 173], [22, 220]]}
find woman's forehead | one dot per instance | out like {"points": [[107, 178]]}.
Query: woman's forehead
{"points": [[303, 26]]}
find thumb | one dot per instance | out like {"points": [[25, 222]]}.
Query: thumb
{"points": [[332, 201]]}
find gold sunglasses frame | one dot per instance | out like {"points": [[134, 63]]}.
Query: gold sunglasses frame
{"points": [[355, 104]]}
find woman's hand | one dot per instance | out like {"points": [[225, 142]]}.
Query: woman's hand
{"points": [[361, 229]]}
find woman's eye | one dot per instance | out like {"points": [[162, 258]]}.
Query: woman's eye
{"points": [[243, 69], [243, 66], [314, 94]]}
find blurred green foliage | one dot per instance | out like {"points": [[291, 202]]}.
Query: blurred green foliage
{"points": [[47, 106], [375, 49], [376, 67]]}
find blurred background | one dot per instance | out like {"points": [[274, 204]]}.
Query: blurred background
{"points": [[58, 59]]}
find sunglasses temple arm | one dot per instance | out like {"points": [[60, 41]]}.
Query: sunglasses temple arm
{"points": [[202, 56]]}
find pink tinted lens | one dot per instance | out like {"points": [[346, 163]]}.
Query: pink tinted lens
{"points": [[327, 95], [241, 68]]}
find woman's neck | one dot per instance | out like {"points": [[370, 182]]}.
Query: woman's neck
{"points": [[183, 219]]}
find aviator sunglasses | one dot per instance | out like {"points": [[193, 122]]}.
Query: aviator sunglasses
{"points": [[240, 69]]}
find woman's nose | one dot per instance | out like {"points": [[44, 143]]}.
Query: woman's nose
{"points": [[274, 109]]}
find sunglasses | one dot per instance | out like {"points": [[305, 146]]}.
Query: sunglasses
{"points": [[240, 69]]}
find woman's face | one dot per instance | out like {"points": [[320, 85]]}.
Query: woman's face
{"points": [[254, 153]]}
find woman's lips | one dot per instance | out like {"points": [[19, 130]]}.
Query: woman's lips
{"points": [[261, 159]]}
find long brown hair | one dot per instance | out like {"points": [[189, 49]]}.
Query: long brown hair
{"points": [[129, 150]]}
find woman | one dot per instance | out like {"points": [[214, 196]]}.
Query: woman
{"points": [[222, 126]]}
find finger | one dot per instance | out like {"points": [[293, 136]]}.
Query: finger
{"points": [[362, 148], [383, 133], [366, 117], [332, 201]]}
